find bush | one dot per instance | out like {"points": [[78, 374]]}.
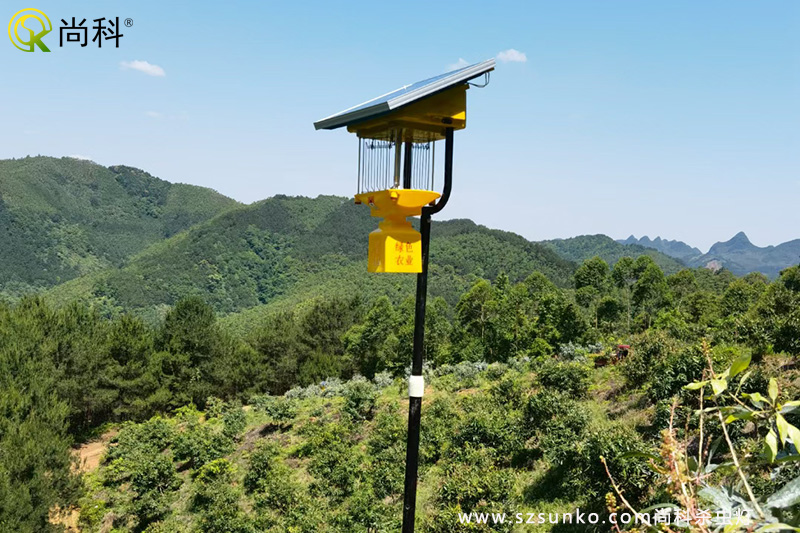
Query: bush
{"points": [[262, 460], [153, 480], [571, 378], [507, 392], [572, 352], [383, 379], [387, 450], [217, 501], [201, 443], [234, 421], [150, 437], [437, 431], [557, 421], [359, 399], [649, 350], [281, 409], [336, 463], [675, 371], [487, 424], [588, 475], [473, 482]]}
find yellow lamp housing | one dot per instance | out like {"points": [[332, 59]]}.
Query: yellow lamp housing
{"points": [[395, 245]]}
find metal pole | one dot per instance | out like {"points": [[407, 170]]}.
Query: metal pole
{"points": [[407, 165], [398, 146], [416, 383]]}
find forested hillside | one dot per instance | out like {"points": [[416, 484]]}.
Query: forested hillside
{"points": [[63, 218], [236, 370], [519, 415], [583, 247], [284, 250]]}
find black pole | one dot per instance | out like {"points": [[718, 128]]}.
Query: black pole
{"points": [[407, 165], [415, 399]]}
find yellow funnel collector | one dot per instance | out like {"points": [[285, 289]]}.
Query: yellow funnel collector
{"points": [[395, 245]]}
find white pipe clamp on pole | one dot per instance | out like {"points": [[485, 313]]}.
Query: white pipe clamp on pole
{"points": [[416, 386]]}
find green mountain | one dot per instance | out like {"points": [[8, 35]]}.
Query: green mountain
{"points": [[578, 249], [677, 249], [738, 254], [125, 240], [284, 250], [63, 218]]}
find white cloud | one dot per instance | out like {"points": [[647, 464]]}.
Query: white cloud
{"points": [[80, 157], [461, 63], [153, 114], [512, 56], [144, 66]]}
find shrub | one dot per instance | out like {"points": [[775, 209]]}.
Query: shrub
{"points": [[675, 371], [472, 479], [153, 480], [201, 443], [496, 371], [217, 501], [572, 378], [507, 392], [649, 350], [359, 399], [383, 379], [386, 447], [584, 474], [572, 352], [281, 409], [234, 421], [336, 463], [489, 425], [262, 460], [557, 421], [540, 348], [436, 432], [150, 437]]}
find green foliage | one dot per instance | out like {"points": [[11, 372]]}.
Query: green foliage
{"points": [[281, 409], [217, 501], [572, 378], [556, 421], [202, 442], [359, 399], [66, 218], [579, 249], [262, 465]]}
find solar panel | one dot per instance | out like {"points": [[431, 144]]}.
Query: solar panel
{"points": [[404, 96]]}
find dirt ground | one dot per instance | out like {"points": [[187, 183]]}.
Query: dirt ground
{"points": [[88, 457]]}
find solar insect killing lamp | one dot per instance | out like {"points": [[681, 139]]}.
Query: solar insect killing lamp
{"points": [[397, 135]]}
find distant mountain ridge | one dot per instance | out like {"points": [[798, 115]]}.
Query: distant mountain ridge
{"points": [[677, 249], [128, 241], [738, 254], [61, 218], [583, 247]]}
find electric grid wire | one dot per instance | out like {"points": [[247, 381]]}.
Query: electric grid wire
{"points": [[376, 165]]}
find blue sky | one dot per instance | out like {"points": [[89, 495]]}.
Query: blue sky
{"points": [[671, 118]]}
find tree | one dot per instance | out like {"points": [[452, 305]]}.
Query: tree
{"points": [[191, 339], [594, 273], [682, 284], [367, 344], [650, 292], [624, 276], [35, 461]]}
